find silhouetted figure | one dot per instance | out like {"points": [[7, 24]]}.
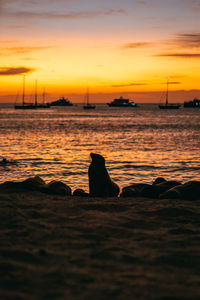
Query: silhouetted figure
{"points": [[100, 183], [4, 162]]}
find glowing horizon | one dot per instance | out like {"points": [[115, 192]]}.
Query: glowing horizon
{"points": [[111, 47]]}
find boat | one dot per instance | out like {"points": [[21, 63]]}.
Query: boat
{"points": [[35, 105], [88, 105], [121, 102], [24, 105], [43, 104], [168, 105], [61, 102], [193, 103]]}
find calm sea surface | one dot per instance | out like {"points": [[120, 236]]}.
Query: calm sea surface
{"points": [[138, 144]]}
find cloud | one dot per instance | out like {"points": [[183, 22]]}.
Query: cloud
{"points": [[173, 82], [184, 45], [15, 71], [180, 55], [128, 84], [187, 40], [142, 2], [67, 15], [136, 45], [22, 49]]}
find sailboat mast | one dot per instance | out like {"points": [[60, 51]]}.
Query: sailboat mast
{"points": [[167, 91], [87, 97], [43, 95], [36, 92], [23, 94]]}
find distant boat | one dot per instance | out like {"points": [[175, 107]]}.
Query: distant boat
{"points": [[61, 102], [121, 102], [41, 105], [193, 103], [88, 105], [24, 105], [35, 105], [168, 105]]}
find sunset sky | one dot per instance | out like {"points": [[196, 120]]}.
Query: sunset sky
{"points": [[114, 47]]}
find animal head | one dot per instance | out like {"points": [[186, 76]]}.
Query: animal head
{"points": [[97, 159]]}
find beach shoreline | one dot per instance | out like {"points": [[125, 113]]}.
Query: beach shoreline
{"points": [[67, 247]]}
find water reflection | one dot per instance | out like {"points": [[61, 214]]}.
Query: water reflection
{"points": [[138, 144]]}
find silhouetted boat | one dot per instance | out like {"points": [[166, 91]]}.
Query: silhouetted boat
{"points": [[24, 105], [42, 105], [35, 105], [88, 105], [121, 102], [193, 103], [168, 105], [61, 102]]}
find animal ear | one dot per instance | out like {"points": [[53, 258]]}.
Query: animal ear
{"points": [[92, 155]]}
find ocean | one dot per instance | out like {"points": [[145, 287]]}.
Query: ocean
{"points": [[139, 144]]}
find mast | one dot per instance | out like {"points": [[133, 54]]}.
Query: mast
{"points": [[43, 95], [87, 97], [167, 91], [36, 93], [23, 94]]}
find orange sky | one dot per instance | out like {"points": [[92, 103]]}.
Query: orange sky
{"points": [[115, 48]]}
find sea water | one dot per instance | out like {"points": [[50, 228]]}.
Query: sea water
{"points": [[139, 144]]}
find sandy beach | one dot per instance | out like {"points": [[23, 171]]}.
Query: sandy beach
{"points": [[67, 247]]}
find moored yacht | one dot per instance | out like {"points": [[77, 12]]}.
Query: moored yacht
{"points": [[193, 103], [61, 102], [121, 102]]}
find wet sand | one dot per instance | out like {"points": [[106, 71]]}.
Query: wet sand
{"points": [[65, 247]]}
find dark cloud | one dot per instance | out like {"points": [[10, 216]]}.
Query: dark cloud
{"points": [[128, 84], [136, 45], [188, 40], [180, 55], [173, 82], [15, 71], [67, 15]]}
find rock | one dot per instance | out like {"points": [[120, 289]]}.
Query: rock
{"points": [[187, 191], [133, 190], [58, 188], [80, 193], [154, 190], [159, 180], [31, 184]]}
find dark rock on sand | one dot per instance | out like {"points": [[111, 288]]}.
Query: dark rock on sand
{"points": [[37, 184], [58, 188], [153, 191], [159, 180], [187, 191], [80, 193], [148, 190], [133, 190], [31, 184]]}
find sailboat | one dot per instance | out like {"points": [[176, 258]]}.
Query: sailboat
{"points": [[88, 105], [40, 105], [24, 105], [35, 105], [168, 105]]}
